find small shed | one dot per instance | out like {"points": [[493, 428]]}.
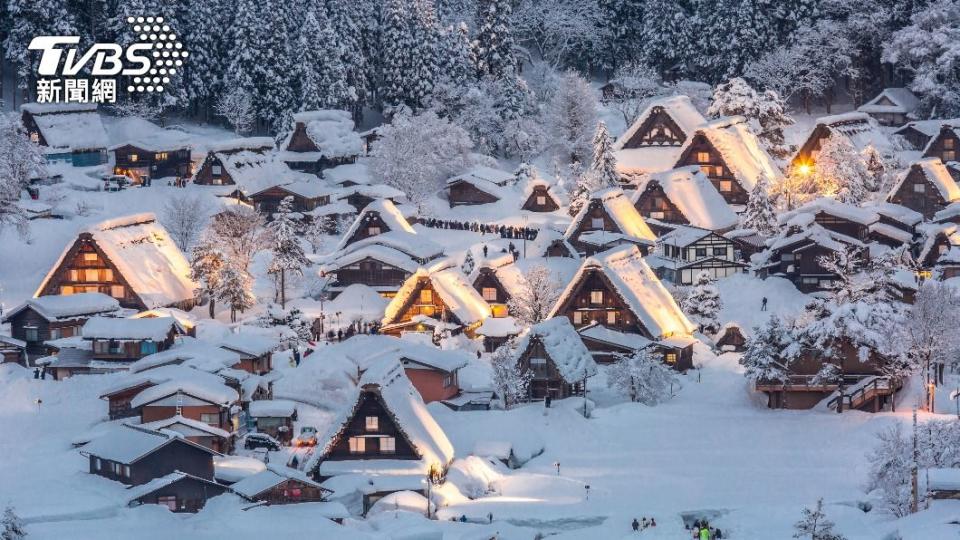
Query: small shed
{"points": [[280, 485], [274, 417], [178, 491], [892, 107], [731, 337]]}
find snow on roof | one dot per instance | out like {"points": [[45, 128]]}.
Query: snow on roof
{"points": [[639, 288], [235, 468], [890, 231], [620, 210], [683, 235], [388, 213], [331, 132], [189, 352], [357, 172], [198, 387], [187, 427], [929, 128], [272, 408], [158, 375], [564, 346], [128, 444], [254, 172], [818, 235], [414, 421], [384, 254], [75, 131], [306, 188], [249, 343], [695, 195], [412, 355], [490, 174], [417, 246], [679, 108], [599, 332], [159, 140], [55, 307], [253, 144], [454, 290], [833, 207], [896, 212], [498, 327], [482, 184], [741, 150], [952, 210], [860, 129], [943, 479], [936, 174], [49, 108], [269, 478], [146, 257], [374, 191], [891, 100], [155, 329]]}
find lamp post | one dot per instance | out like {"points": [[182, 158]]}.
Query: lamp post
{"points": [[557, 465]]}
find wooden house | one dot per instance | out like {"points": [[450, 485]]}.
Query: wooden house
{"points": [[193, 398], [686, 251], [134, 455], [746, 242], [497, 280], [321, 140], [358, 196], [378, 217], [654, 140], [53, 317], [433, 372], [235, 157], [386, 429], [618, 290], [731, 337], [927, 187], [897, 224], [497, 331], [274, 417], [936, 240], [307, 196], [797, 252], [13, 350], [537, 197], [177, 491], [161, 154], [480, 185], [551, 243], [382, 268], [206, 435], [918, 133], [945, 144], [731, 156], [555, 356], [143, 374], [439, 293], [280, 485], [67, 132], [132, 259], [126, 340], [891, 107], [255, 351], [683, 196], [608, 219], [859, 128]]}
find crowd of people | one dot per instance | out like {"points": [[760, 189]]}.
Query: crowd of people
{"points": [[513, 233]]}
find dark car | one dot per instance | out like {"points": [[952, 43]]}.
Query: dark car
{"points": [[260, 440]]}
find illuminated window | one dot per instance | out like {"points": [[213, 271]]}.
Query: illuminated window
{"points": [[611, 317], [34, 136], [703, 157], [596, 297], [388, 445], [90, 257], [160, 156], [358, 445], [66, 290], [117, 291], [541, 200], [133, 158], [596, 223], [919, 188], [671, 358], [91, 274], [372, 423], [705, 169], [726, 186], [372, 231], [490, 294], [657, 215], [170, 501], [107, 274], [577, 317], [948, 143], [718, 170], [426, 296], [73, 275]]}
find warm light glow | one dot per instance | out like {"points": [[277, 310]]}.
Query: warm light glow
{"points": [[804, 169]]}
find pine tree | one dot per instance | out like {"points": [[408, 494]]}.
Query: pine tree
{"points": [[604, 165], [841, 169], [760, 214], [665, 35], [494, 42], [618, 25], [815, 525], [879, 170], [571, 115], [321, 73], [12, 526], [643, 378], [248, 55], [278, 99], [456, 63], [206, 266], [32, 18], [773, 118], [236, 289], [426, 39], [584, 185], [347, 18], [702, 304], [201, 35], [734, 97], [766, 358], [396, 49], [288, 255]]}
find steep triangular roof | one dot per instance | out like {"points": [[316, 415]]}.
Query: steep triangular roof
{"points": [[936, 174], [564, 346], [891, 100], [679, 108], [463, 301], [387, 212], [695, 196], [621, 211], [740, 149], [679, 114]]}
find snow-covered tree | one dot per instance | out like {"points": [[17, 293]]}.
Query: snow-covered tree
{"points": [[926, 336], [320, 71], [637, 83], [767, 358], [773, 118], [206, 265], [510, 381], [316, 232], [396, 54], [734, 97], [584, 184], [535, 295], [558, 31], [814, 525], [469, 263], [293, 327], [416, 152], [288, 255], [493, 47], [184, 217], [760, 214], [702, 304], [20, 160], [643, 377], [766, 112], [235, 289], [240, 234], [881, 169], [666, 35], [570, 117], [604, 165], [201, 35], [425, 63], [11, 527], [891, 462], [27, 20], [929, 49], [236, 106], [840, 169], [501, 117]]}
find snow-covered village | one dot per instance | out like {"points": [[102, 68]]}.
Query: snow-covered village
{"points": [[480, 269]]}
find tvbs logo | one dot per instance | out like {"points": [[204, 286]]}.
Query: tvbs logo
{"points": [[150, 61]]}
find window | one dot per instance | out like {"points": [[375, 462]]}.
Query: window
{"points": [[148, 347], [73, 275], [810, 280], [97, 464], [90, 257], [426, 296], [596, 297], [34, 137], [718, 170], [671, 358], [107, 274], [117, 291], [919, 188], [596, 223], [726, 186], [372, 423], [700, 252], [948, 143], [31, 333], [160, 156], [786, 257], [949, 155], [490, 294], [358, 445], [657, 215], [126, 471], [720, 252], [705, 169], [448, 381], [91, 274], [211, 419], [216, 170], [611, 317], [541, 200], [373, 231], [117, 469], [388, 445], [133, 158], [55, 333], [577, 317], [170, 501], [703, 157]]}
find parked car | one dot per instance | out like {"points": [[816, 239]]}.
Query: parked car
{"points": [[307, 437], [260, 440]]}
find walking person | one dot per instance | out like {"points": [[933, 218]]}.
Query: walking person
{"points": [[636, 525], [763, 304]]}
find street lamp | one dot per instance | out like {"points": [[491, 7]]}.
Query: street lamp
{"points": [[557, 465]]}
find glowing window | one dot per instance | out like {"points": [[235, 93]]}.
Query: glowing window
{"points": [[358, 445], [596, 297], [426, 296], [372, 423], [117, 291], [372, 231], [388, 445], [541, 200], [726, 186], [703, 157], [611, 317], [90, 257], [133, 158], [490, 294], [91, 274], [577, 317], [919, 188], [671, 358], [161, 156]]}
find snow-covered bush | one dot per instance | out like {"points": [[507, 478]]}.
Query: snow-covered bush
{"points": [[11, 526], [766, 358], [815, 526], [20, 160], [643, 378], [288, 255]]}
